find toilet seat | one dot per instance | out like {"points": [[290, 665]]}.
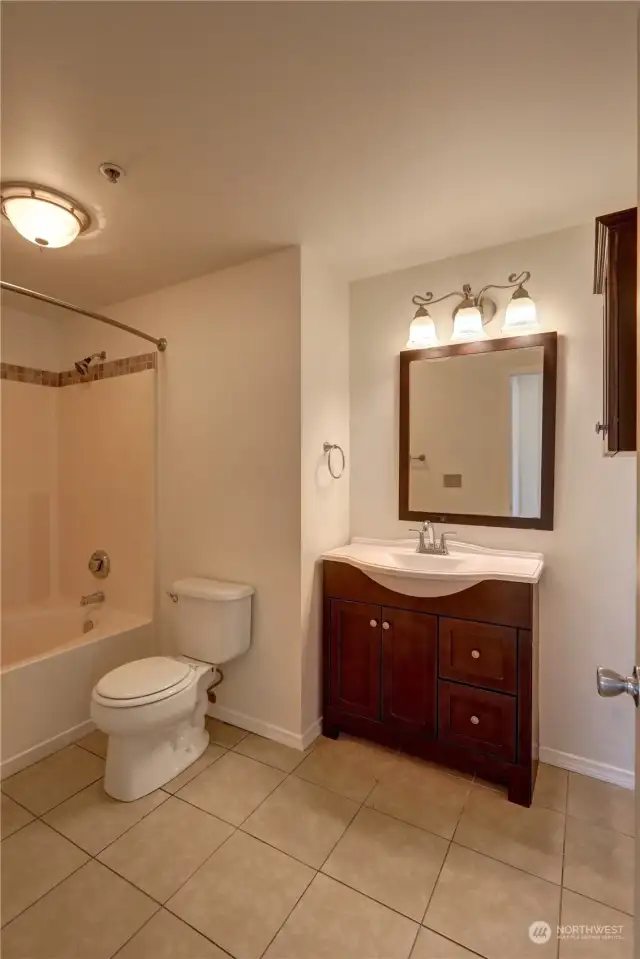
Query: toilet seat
{"points": [[144, 681]]}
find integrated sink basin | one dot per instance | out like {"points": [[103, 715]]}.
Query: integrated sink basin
{"points": [[397, 566]]}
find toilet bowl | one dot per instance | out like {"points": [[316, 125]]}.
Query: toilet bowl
{"points": [[153, 709], [153, 712]]}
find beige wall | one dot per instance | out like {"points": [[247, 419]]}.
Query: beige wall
{"points": [[460, 419], [325, 416], [106, 487], [229, 460], [29, 494], [587, 612]]}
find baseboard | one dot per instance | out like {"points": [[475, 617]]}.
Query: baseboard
{"points": [[588, 767], [277, 733], [14, 765]]}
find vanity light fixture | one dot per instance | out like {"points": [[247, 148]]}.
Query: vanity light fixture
{"points": [[473, 312], [43, 216], [422, 332]]}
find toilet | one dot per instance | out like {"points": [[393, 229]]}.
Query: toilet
{"points": [[153, 709]]}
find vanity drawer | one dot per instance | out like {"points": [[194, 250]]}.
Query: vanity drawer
{"points": [[478, 654], [477, 719]]}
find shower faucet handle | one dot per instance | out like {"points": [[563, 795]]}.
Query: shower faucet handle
{"points": [[99, 564]]}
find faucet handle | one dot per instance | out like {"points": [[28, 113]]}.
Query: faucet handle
{"points": [[443, 541]]}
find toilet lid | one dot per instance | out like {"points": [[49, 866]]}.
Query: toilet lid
{"points": [[143, 677]]}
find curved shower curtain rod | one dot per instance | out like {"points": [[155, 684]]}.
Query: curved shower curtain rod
{"points": [[161, 343]]}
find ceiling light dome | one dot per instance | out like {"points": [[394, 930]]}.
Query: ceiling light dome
{"points": [[43, 216]]}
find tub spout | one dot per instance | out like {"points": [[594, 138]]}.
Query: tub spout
{"points": [[92, 598]]}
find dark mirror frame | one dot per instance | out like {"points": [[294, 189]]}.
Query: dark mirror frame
{"points": [[549, 343]]}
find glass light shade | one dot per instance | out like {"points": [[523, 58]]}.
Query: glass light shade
{"points": [[40, 221], [521, 314], [422, 332], [467, 325]]}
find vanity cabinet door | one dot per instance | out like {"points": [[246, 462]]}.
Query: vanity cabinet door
{"points": [[356, 658], [409, 657]]}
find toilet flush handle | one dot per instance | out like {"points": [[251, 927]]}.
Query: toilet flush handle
{"points": [[172, 596]]}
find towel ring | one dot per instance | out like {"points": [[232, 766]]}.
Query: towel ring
{"points": [[329, 448]]}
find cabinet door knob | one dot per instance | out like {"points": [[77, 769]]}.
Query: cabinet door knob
{"points": [[475, 654], [475, 720], [373, 622], [386, 626]]}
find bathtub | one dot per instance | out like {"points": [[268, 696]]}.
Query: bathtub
{"points": [[51, 659]]}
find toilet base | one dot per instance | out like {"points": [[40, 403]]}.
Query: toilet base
{"points": [[136, 765]]}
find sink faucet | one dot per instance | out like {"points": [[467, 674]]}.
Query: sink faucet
{"points": [[92, 598], [426, 528], [431, 547]]}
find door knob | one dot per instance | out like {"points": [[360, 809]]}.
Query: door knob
{"points": [[385, 625], [373, 622], [611, 683]]}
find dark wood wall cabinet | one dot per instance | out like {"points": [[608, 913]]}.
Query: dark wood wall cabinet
{"points": [[615, 278], [450, 678]]}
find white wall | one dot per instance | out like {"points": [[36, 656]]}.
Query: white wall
{"points": [[325, 417], [588, 588], [229, 458], [31, 340]]}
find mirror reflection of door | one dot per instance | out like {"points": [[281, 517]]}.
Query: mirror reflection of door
{"points": [[526, 443]]}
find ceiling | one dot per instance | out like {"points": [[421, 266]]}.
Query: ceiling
{"points": [[384, 134]]}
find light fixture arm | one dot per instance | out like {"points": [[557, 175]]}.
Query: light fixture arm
{"points": [[515, 279], [428, 300]]}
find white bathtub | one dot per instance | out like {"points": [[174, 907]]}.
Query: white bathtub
{"points": [[49, 667]]}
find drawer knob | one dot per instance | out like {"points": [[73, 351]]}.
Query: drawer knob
{"points": [[373, 622], [475, 654], [475, 720], [386, 626]]}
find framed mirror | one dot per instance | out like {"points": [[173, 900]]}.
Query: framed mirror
{"points": [[477, 432]]}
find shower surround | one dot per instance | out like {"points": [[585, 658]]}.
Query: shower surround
{"points": [[78, 473]]}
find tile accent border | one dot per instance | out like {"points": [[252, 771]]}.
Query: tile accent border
{"points": [[101, 371]]}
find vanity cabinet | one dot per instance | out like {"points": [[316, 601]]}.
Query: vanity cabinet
{"points": [[449, 678], [615, 278]]}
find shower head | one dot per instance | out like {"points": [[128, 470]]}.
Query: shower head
{"points": [[82, 366]]}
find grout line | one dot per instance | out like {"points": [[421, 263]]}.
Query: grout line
{"points": [[59, 883]]}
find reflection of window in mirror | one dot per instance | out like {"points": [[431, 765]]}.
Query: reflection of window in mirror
{"points": [[476, 433]]}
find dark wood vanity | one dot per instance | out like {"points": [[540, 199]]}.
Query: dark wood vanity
{"points": [[449, 678]]}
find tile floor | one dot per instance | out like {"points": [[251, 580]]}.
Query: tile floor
{"points": [[349, 851]]}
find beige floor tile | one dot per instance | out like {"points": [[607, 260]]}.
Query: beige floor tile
{"points": [[429, 945], [224, 734], [92, 819], [488, 907], [209, 756], [232, 788], [531, 839], [551, 788], [599, 863], [590, 943], [388, 860], [347, 766], [332, 921], [45, 784], [166, 937], [302, 819], [422, 796], [161, 852], [602, 804], [96, 742], [34, 860], [88, 916], [12, 816], [242, 895], [273, 754]]}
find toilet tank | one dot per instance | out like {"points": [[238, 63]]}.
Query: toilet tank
{"points": [[212, 619]]}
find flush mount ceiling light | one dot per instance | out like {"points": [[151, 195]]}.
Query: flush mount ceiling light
{"points": [[43, 216], [473, 312]]}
